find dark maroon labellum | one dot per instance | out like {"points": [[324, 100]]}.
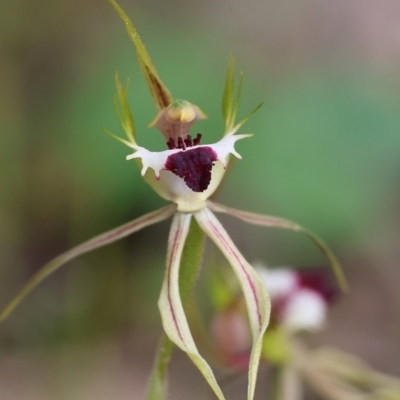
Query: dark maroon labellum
{"points": [[318, 281], [194, 166]]}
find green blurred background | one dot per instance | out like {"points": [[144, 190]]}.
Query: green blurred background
{"points": [[326, 153]]}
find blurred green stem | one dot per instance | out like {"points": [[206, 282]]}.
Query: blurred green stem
{"points": [[190, 264], [275, 383], [157, 385]]}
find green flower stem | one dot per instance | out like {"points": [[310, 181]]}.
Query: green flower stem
{"points": [[157, 385], [275, 383], [190, 265]]}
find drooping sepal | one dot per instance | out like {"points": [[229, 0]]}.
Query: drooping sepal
{"points": [[253, 287], [159, 92], [276, 222], [92, 244], [192, 256], [170, 302]]}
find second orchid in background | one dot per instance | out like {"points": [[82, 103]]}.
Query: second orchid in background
{"points": [[300, 304]]}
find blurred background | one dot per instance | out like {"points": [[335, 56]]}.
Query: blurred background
{"points": [[326, 153]]}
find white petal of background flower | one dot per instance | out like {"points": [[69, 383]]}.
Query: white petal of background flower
{"points": [[280, 282], [306, 309]]}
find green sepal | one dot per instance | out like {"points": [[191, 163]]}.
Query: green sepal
{"points": [[235, 106], [229, 106], [333, 261], [114, 136], [246, 118], [159, 92], [125, 116], [227, 99], [276, 222], [85, 247]]}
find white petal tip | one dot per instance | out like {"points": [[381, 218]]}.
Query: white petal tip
{"points": [[236, 154], [306, 310], [143, 171]]}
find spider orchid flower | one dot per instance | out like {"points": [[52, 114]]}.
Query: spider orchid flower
{"points": [[187, 173], [300, 299], [299, 302]]}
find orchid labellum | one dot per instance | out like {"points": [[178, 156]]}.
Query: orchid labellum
{"points": [[186, 174]]}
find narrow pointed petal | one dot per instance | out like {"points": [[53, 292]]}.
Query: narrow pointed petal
{"points": [[275, 222], [92, 244], [227, 100], [126, 118], [161, 96], [192, 256], [235, 106], [123, 141], [170, 303], [229, 105], [246, 118], [253, 287]]}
